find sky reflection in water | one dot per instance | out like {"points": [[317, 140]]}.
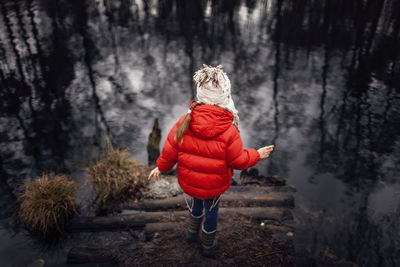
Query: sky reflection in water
{"points": [[319, 79]]}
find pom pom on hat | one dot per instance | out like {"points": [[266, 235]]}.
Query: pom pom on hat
{"points": [[213, 75]]}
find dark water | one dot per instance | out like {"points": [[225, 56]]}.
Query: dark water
{"points": [[319, 79]]}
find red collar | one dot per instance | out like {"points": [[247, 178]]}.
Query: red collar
{"points": [[213, 107]]}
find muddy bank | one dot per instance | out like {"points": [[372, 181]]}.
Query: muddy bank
{"points": [[241, 240]]}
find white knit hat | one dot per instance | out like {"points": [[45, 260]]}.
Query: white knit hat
{"points": [[214, 88]]}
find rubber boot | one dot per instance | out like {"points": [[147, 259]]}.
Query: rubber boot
{"points": [[208, 246], [194, 227]]}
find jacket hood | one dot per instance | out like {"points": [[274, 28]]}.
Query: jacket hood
{"points": [[208, 121]]}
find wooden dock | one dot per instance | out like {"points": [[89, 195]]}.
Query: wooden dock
{"points": [[268, 207]]}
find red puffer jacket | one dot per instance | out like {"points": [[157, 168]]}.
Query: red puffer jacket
{"points": [[210, 150]]}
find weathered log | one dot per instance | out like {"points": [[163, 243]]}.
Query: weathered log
{"points": [[89, 255], [140, 220], [109, 223], [153, 145], [171, 226], [246, 198], [261, 199], [251, 176], [262, 189], [169, 187]]}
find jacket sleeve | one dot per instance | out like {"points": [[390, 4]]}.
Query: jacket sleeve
{"points": [[239, 158], [169, 153]]}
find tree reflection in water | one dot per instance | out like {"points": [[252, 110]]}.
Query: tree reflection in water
{"points": [[319, 79]]}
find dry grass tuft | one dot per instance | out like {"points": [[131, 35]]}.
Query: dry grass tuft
{"points": [[47, 203], [115, 177]]}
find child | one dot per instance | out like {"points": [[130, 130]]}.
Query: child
{"points": [[207, 146]]}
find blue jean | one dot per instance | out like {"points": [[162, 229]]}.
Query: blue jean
{"points": [[211, 217]]}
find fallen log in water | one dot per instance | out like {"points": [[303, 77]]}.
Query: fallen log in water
{"points": [[140, 220], [246, 198]]}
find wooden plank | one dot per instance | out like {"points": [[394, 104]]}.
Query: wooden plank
{"points": [[140, 220], [262, 189], [245, 198]]}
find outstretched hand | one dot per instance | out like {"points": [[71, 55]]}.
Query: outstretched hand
{"points": [[265, 151], [155, 173]]}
